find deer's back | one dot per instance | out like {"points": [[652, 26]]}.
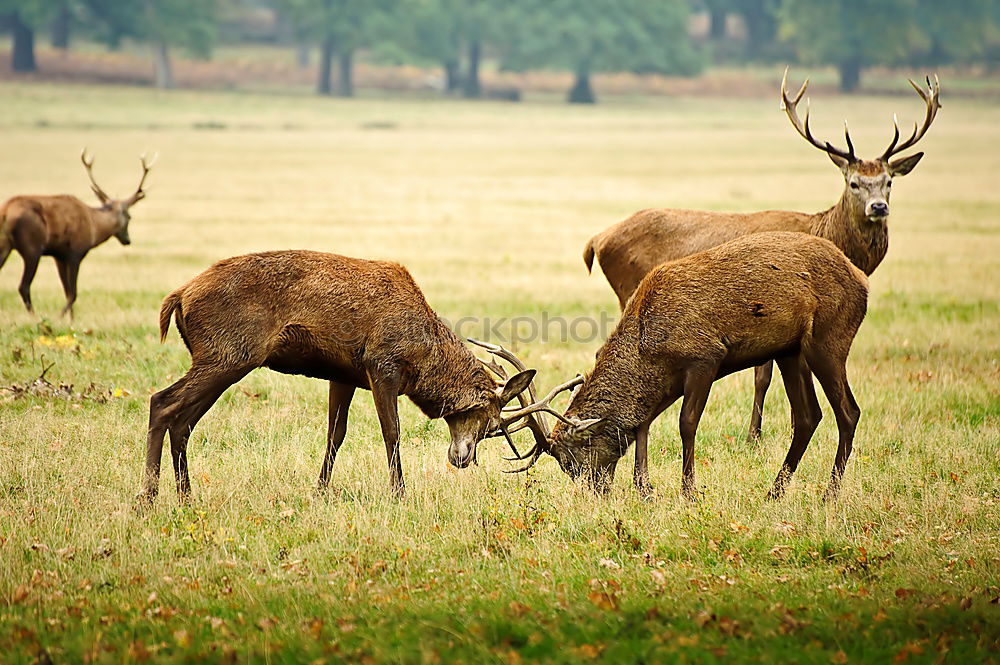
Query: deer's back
{"points": [[301, 308], [65, 219], [630, 249], [750, 299]]}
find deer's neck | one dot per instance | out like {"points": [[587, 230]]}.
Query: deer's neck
{"points": [[447, 378], [622, 389], [103, 225], [863, 241]]}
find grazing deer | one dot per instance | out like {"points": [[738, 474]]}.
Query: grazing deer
{"points": [[65, 228], [857, 224], [789, 297], [352, 322]]}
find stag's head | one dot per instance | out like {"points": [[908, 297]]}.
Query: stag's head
{"points": [[868, 182], [588, 448], [118, 208], [471, 426]]}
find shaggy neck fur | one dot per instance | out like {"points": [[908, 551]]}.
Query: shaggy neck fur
{"points": [[449, 377]]}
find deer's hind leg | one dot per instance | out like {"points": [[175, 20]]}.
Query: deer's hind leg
{"points": [[177, 409], [761, 382], [832, 375], [340, 403], [806, 415]]}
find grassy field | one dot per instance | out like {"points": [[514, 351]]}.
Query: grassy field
{"points": [[489, 205]]}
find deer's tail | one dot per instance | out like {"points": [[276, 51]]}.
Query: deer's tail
{"points": [[6, 238], [172, 304], [588, 255]]}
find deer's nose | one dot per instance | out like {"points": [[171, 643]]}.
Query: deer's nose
{"points": [[461, 454], [880, 209]]}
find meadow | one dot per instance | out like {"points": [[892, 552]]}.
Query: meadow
{"points": [[489, 206]]}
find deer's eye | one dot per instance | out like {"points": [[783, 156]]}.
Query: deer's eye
{"points": [[889, 183], [855, 185]]}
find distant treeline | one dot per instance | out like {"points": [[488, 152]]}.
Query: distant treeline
{"points": [[677, 37]]}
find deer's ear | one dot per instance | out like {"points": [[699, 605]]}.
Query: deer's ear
{"points": [[904, 165], [515, 385], [841, 163]]}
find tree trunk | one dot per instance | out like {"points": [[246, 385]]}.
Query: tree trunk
{"points": [[302, 55], [23, 52], [452, 76], [716, 24], [761, 27], [60, 27], [472, 88], [161, 64], [323, 86], [581, 92], [345, 80], [850, 74]]}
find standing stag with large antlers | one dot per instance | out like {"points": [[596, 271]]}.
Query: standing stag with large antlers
{"points": [[857, 224], [788, 297], [65, 228], [352, 322]]}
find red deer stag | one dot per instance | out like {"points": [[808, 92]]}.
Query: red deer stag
{"points": [[857, 224], [352, 322], [789, 297], [65, 228]]}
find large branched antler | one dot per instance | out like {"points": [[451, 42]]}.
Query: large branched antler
{"points": [[89, 165], [931, 99], [139, 194], [789, 105]]}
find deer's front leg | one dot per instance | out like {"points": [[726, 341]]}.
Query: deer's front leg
{"points": [[641, 476], [385, 391]]}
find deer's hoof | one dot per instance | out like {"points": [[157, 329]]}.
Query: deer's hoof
{"points": [[143, 500], [646, 491]]}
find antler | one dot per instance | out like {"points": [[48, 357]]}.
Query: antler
{"points": [[101, 194], [930, 97], [146, 166], [788, 106]]}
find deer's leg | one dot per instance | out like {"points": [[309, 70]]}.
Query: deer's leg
{"points": [[641, 475], [340, 402], [5, 247], [832, 375], [69, 269], [761, 382], [199, 396], [178, 408], [385, 391], [697, 384], [30, 267], [806, 415]]}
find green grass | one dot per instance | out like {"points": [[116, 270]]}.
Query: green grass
{"points": [[489, 205]]}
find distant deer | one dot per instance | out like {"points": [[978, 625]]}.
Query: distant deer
{"points": [[65, 228], [789, 297], [352, 322], [857, 224]]}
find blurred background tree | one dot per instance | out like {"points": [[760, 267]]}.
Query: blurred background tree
{"points": [[588, 36], [582, 37], [340, 27]]}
